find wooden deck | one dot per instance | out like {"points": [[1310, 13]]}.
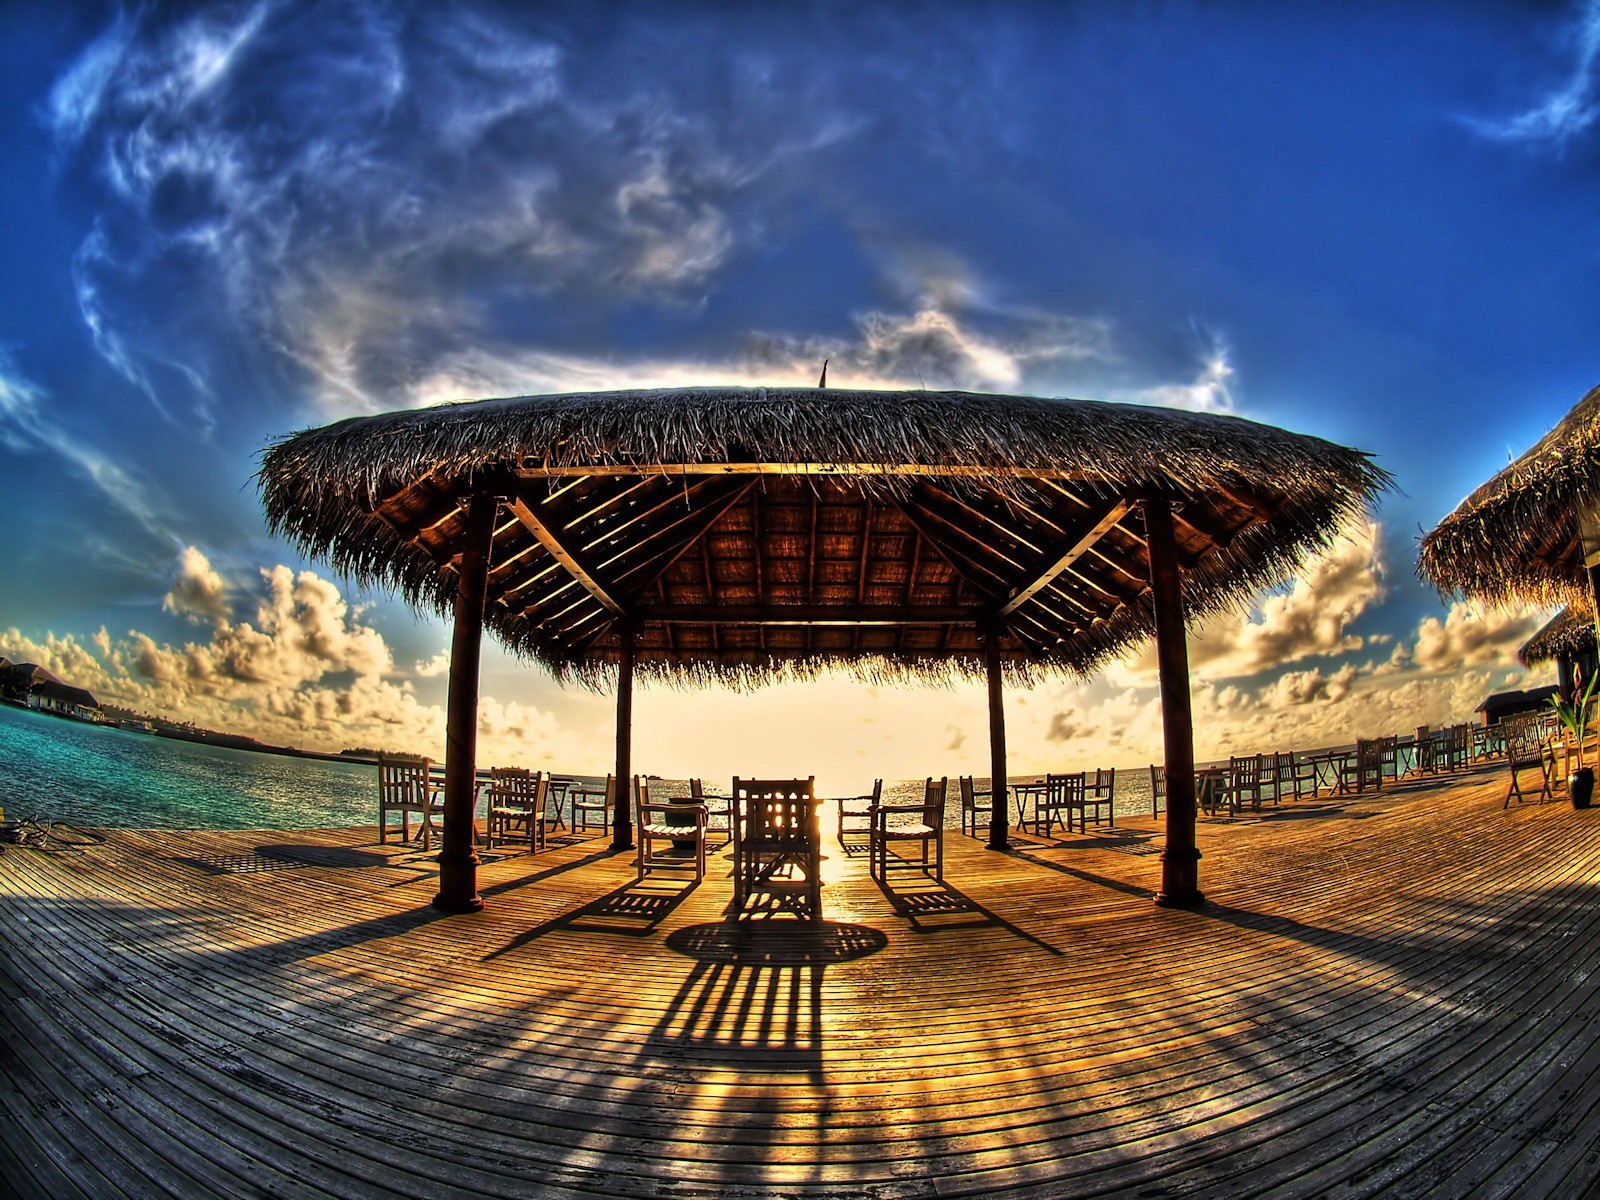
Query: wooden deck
{"points": [[1393, 995]]}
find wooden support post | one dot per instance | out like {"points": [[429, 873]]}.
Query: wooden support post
{"points": [[458, 862], [622, 808], [999, 817], [1180, 860]]}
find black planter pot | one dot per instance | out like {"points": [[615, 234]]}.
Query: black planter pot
{"points": [[1581, 786]]}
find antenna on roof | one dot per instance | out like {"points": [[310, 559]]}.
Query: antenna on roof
{"points": [[823, 382]]}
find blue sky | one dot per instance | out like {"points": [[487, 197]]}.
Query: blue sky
{"points": [[224, 222]]}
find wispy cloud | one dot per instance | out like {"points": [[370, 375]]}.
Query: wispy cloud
{"points": [[26, 425], [1570, 107]]}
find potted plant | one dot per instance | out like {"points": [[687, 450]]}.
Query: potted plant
{"points": [[1575, 716]]}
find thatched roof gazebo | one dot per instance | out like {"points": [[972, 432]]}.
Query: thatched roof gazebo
{"points": [[1568, 635], [750, 535], [1516, 537]]}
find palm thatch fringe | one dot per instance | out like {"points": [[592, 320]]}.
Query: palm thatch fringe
{"points": [[321, 489], [1515, 538], [1568, 634]]}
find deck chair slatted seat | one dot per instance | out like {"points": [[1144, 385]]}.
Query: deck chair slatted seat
{"points": [[925, 827], [676, 824], [517, 801], [777, 846], [406, 787]]}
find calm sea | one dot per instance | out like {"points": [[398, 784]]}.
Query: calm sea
{"points": [[93, 775]]}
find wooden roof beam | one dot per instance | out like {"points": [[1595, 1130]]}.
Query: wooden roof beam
{"points": [[1069, 556], [575, 567], [854, 615]]}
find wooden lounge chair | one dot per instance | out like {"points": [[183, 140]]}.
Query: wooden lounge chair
{"points": [[719, 809], [1063, 796], [517, 800], [777, 845], [406, 786], [975, 807], [674, 823], [926, 830], [1158, 788], [1526, 750], [855, 812], [591, 808]]}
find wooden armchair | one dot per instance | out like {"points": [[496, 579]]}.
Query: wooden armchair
{"points": [[973, 813], [927, 830], [1063, 795], [670, 822], [1247, 781], [1526, 750], [589, 808], [406, 786], [1097, 794], [777, 844], [517, 799], [857, 810]]}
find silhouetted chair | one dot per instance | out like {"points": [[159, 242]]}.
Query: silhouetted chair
{"points": [[1097, 795], [857, 810], [777, 844], [590, 808], [677, 823], [1526, 750], [406, 786], [927, 831], [718, 809], [976, 805], [517, 800], [1158, 788], [1062, 797]]}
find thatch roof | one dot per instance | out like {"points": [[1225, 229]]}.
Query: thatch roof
{"points": [[762, 533], [1568, 634], [1516, 537]]}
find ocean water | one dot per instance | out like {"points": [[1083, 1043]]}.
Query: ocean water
{"points": [[95, 775]]}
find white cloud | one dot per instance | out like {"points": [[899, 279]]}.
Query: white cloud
{"points": [[1567, 110], [198, 590], [1472, 635]]}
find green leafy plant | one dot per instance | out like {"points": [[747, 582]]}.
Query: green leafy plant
{"points": [[1575, 715]]}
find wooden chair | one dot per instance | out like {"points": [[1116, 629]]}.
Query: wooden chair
{"points": [[777, 844], [586, 806], [1158, 788], [1526, 750], [1457, 752], [858, 811], [926, 830], [718, 808], [1100, 794], [1290, 777], [1247, 781], [652, 826], [972, 813], [517, 799], [406, 786], [1063, 796], [1363, 770]]}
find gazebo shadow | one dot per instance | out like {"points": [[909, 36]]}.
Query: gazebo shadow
{"points": [[632, 910], [933, 906]]}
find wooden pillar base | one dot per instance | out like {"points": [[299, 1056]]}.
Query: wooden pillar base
{"points": [[458, 885], [1180, 880]]}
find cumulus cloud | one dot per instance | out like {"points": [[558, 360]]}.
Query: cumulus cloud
{"points": [[1569, 108], [198, 591], [1472, 635]]}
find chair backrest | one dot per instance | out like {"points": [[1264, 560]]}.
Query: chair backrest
{"points": [[877, 790], [933, 798], [1104, 786], [403, 779], [641, 790], [1158, 782], [517, 787], [1524, 737], [775, 811], [1064, 789], [969, 793], [1245, 769]]}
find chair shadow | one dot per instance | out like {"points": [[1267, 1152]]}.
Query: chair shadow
{"points": [[933, 906], [632, 910]]}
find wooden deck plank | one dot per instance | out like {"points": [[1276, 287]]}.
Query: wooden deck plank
{"points": [[1359, 999]]}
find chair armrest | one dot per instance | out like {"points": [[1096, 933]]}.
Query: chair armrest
{"points": [[897, 808]]}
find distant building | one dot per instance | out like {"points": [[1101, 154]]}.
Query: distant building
{"points": [[1508, 704], [33, 685]]}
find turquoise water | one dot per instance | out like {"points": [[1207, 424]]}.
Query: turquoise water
{"points": [[94, 775]]}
